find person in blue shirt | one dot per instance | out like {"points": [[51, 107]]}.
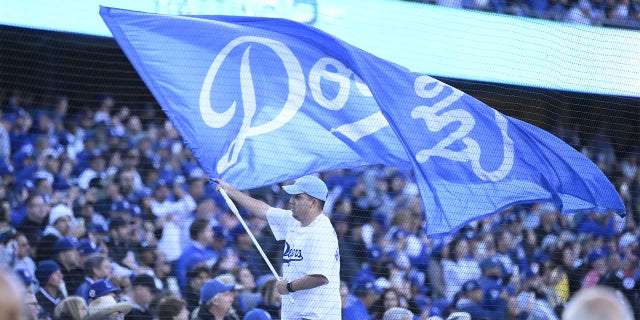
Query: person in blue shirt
{"points": [[364, 294], [202, 236], [471, 299]]}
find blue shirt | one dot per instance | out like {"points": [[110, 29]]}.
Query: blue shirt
{"points": [[354, 309], [195, 251]]}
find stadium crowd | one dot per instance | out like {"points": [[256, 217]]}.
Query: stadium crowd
{"points": [[105, 212], [611, 13]]}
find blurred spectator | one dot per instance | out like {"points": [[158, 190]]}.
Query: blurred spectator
{"points": [[397, 313], [12, 293], [143, 292], [459, 267], [172, 308], [101, 288], [202, 236], [171, 215], [270, 300], [71, 308], [248, 252], [597, 261], [106, 307], [96, 267], [60, 226], [216, 299], [33, 309], [28, 280], [121, 248], [196, 277], [35, 220], [65, 253], [493, 284], [364, 294], [257, 314], [597, 303], [513, 310], [50, 278], [248, 296], [470, 301]]}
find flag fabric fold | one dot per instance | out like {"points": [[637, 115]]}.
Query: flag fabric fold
{"points": [[263, 100]]}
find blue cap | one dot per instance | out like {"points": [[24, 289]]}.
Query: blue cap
{"points": [[310, 185], [64, 244], [489, 263], [593, 256], [470, 286], [101, 288], [366, 283], [375, 253], [121, 206], [220, 233], [87, 247], [160, 183], [237, 231], [26, 276], [45, 269], [257, 314], [211, 288]]}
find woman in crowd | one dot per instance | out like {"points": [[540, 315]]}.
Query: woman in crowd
{"points": [[71, 308]]}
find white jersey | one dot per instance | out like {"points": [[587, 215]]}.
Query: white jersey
{"points": [[309, 250]]}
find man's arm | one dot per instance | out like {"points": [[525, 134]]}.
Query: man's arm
{"points": [[256, 207], [305, 283]]}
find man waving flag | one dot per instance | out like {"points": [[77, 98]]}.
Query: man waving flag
{"points": [[262, 100]]}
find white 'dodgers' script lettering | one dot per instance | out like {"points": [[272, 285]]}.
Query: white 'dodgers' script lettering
{"points": [[297, 92], [342, 76], [436, 122], [295, 99]]}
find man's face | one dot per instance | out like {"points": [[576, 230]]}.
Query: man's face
{"points": [[32, 306], [104, 270], [55, 279], [70, 257], [37, 209], [63, 224], [197, 282], [476, 295], [143, 295], [300, 205], [223, 300]]}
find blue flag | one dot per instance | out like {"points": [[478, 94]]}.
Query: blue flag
{"points": [[262, 100]]}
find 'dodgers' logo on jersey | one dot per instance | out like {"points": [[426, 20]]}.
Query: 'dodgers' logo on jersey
{"points": [[291, 254]]}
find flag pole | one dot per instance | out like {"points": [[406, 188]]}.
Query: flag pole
{"points": [[235, 211]]}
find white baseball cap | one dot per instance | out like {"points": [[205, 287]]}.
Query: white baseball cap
{"points": [[310, 185], [59, 211]]}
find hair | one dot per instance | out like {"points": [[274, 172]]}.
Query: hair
{"points": [[197, 226], [193, 273], [31, 198], [169, 307], [397, 314], [452, 247], [93, 261], [267, 289], [70, 307], [597, 303], [12, 292], [401, 216]]}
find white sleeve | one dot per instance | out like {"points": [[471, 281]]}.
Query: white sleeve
{"points": [[279, 221]]}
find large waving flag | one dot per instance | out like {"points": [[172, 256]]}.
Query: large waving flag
{"points": [[262, 100]]}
